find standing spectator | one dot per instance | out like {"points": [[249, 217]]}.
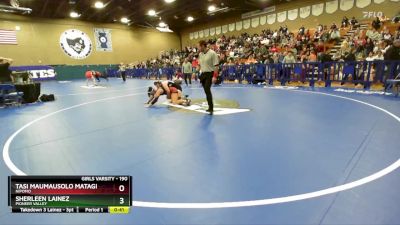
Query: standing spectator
{"points": [[350, 57], [122, 70], [335, 35], [208, 60], [345, 22], [369, 46], [353, 23], [376, 24], [5, 73], [393, 53], [187, 71], [195, 68]]}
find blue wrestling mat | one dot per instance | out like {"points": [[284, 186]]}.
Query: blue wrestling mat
{"points": [[268, 155]]}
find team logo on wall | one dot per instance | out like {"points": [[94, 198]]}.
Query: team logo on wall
{"points": [[103, 39], [76, 44]]}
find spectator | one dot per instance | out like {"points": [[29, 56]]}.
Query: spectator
{"points": [[374, 35], [353, 23], [289, 58], [370, 57], [5, 73], [345, 22], [369, 46], [379, 56], [187, 71], [376, 24], [393, 53], [335, 35]]}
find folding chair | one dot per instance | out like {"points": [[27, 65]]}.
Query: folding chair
{"points": [[394, 84], [9, 96]]}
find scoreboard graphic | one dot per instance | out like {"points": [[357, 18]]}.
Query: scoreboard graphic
{"points": [[70, 194]]}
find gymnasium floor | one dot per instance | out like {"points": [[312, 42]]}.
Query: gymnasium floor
{"points": [[297, 157]]}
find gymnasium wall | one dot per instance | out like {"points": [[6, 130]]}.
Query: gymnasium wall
{"points": [[388, 7], [39, 42]]}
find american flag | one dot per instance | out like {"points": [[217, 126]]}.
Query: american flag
{"points": [[8, 37]]}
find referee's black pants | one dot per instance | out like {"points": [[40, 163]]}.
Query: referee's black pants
{"points": [[206, 81], [123, 75]]}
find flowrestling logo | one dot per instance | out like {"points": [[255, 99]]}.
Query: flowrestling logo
{"points": [[76, 44], [221, 107]]}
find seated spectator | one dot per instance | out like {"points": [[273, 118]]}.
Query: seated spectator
{"points": [[302, 30], [370, 57], [313, 56], [386, 34], [396, 19], [374, 35], [325, 36], [335, 35], [379, 56], [320, 47], [333, 26], [345, 46]]}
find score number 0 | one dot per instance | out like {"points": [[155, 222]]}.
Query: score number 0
{"points": [[121, 188]]}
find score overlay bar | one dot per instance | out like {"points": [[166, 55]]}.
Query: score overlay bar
{"points": [[70, 194]]}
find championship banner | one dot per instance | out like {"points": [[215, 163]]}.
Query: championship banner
{"points": [[317, 9], [246, 24], [224, 29], [282, 16], [201, 34], [255, 22], [103, 41], [196, 35], [263, 20], [212, 31], [305, 12], [363, 3], [218, 30], [232, 27], [239, 25], [206, 32], [346, 5], [271, 18], [379, 1], [191, 36], [292, 14], [331, 6]]}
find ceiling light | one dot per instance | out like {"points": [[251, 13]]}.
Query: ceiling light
{"points": [[162, 24], [190, 19], [99, 5], [169, 1], [211, 8], [124, 20], [74, 15], [152, 12]]}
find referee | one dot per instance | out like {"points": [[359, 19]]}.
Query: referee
{"points": [[208, 63]]}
